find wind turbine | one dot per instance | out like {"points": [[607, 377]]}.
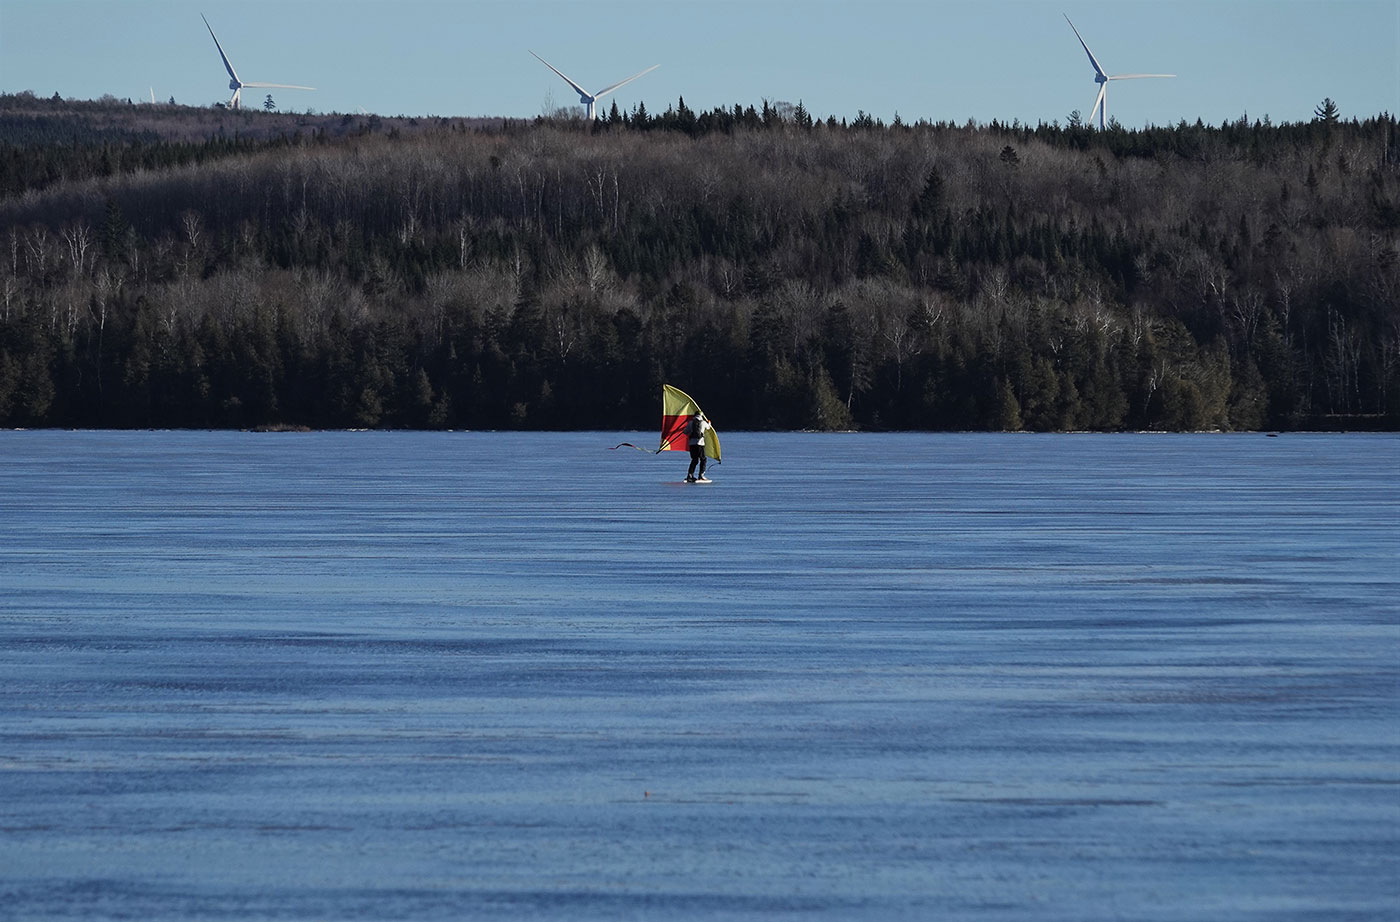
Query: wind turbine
{"points": [[1101, 78], [590, 99], [237, 85]]}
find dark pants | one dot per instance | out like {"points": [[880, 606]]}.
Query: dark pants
{"points": [[697, 455]]}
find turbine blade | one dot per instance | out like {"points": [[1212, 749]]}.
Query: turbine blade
{"points": [[1136, 76], [1092, 60], [604, 92], [280, 86], [227, 66], [577, 89], [1100, 106]]}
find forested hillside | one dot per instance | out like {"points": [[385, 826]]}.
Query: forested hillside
{"points": [[174, 267]]}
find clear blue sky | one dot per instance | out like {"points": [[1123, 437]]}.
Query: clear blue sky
{"points": [[918, 58]]}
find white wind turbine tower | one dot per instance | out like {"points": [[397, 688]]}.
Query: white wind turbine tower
{"points": [[591, 99], [237, 85], [1101, 78]]}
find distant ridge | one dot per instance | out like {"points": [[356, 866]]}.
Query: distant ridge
{"points": [[166, 266]]}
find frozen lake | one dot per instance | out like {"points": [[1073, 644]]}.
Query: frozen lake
{"points": [[491, 675]]}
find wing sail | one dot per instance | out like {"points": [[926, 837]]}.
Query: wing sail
{"points": [[677, 409]]}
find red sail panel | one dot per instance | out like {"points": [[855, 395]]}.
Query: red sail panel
{"points": [[673, 436]]}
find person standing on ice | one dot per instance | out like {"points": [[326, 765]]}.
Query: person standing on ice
{"points": [[695, 440]]}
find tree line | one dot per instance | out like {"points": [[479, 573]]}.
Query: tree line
{"points": [[791, 272]]}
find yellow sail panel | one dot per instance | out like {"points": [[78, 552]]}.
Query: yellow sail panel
{"points": [[712, 443]]}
